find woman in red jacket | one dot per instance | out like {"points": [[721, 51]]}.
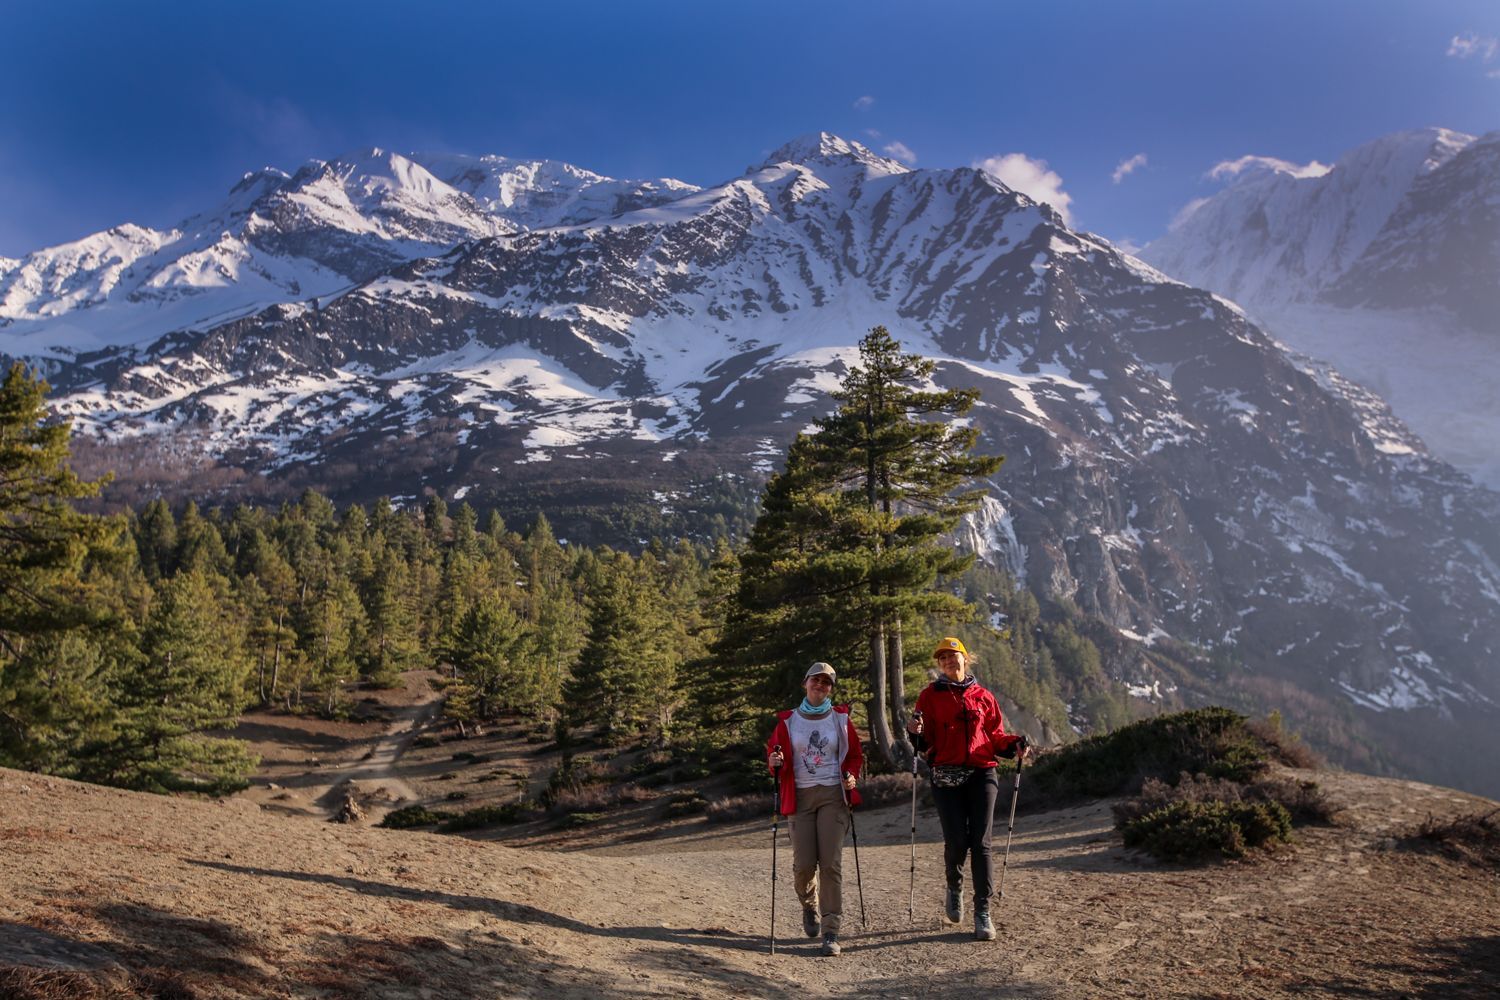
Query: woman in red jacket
{"points": [[959, 726], [817, 791]]}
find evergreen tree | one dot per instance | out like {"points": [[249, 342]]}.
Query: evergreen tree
{"points": [[46, 548], [156, 540], [392, 637], [849, 540], [190, 680], [490, 653], [625, 674]]}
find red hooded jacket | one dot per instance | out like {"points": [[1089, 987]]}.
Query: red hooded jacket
{"points": [[962, 726], [852, 761]]}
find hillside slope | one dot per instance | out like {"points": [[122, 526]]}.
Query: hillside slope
{"points": [[208, 899]]}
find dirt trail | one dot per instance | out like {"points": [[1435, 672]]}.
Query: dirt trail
{"points": [[367, 766], [247, 903]]}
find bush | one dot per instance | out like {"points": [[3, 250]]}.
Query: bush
{"points": [[580, 819], [408, 817], [426, 740], [592, 798], [1287, 747], [1213, 741], [880, 790], [686, 804], [484, 816], [750, 775], [1473, 838], [1302, 800], [738, 807], [456, 796], [1191, 831]]}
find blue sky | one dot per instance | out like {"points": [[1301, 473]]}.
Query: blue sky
{"points": [[149, 111]]}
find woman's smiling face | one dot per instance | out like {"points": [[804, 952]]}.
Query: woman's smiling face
{"points": [[953, 664], [818, 687]]}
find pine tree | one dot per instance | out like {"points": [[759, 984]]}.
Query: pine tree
{"points": [[490, 651], [625, 673], [848, 544], [46, 548], [392, 638], [190, 680]]}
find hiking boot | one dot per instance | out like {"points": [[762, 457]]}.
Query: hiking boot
{"points": [[984, 927], [810, 925], [953, 904], [830, 944]]}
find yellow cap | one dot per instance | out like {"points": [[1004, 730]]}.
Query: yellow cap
{"points": [[950, 643]]}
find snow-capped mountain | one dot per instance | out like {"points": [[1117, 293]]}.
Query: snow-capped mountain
{"points": [[1252, 525], [281, 238], [1386, 265]]}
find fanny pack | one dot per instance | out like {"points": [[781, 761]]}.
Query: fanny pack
{"points": [[950, 775]]}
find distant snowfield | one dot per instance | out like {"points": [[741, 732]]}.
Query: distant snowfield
{"points": [[1440, 378]]}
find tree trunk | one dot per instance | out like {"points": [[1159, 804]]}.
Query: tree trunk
{"points": [[896, 667], [880, 721], [276, 666]]}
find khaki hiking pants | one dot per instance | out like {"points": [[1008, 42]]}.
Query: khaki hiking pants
{"points": [[818, 828]]}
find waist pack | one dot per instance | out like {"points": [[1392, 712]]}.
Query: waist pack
{"points": [[950, 775]]}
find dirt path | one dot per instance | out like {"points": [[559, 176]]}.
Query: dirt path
{"points": [[347, 760], [245, 903]]}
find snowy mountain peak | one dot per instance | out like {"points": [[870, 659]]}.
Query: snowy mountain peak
{"points": [[832, 150], [541, 194], [1283, 233]]}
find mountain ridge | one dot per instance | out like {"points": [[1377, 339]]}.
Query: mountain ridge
{"points": [[1265, 523]]}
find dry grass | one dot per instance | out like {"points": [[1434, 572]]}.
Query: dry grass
{"points": [[22, 983], [1473, 838]]}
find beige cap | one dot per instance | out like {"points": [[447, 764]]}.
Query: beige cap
{"points": [[820, 668]]}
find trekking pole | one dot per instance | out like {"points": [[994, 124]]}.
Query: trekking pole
{"points": [[1010, 827], [775, 836], [911, 892], [858, 880]]}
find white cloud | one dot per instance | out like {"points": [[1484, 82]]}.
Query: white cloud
{"points": [[1020, 172], [1233, 168], [864, 103], [901, 151], [1128, 167], [1186, 212], [1128, 245], [1483, 46]]}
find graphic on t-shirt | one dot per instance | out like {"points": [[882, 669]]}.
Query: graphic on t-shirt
{"points": [[816, 753]]}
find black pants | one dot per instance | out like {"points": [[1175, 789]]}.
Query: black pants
{"points": [[968, 814]]}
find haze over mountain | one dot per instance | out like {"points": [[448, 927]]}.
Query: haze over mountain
{"points": [[1253, 527], [1386, 265]]}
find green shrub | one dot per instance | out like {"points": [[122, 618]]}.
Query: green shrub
{"points": [[1302, 800], [1194, 831], [484, 816], [686, 804], [412, 816], [580, 819], [1213, 741], [456, 796], [426, 740]]}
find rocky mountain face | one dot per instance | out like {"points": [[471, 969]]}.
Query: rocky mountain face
{"points": [[1250, 526], [1386, 265]]}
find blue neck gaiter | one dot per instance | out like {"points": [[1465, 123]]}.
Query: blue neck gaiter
{"points": [[822, 709]]}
